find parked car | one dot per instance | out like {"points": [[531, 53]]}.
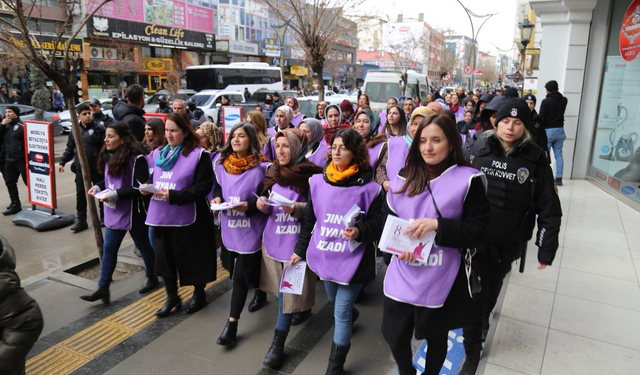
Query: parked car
{"points": [[27, 113], [209, 101], [151, 103], [65, 116]]}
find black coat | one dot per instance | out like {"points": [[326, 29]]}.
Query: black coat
{"points": [[193, 247], [92, 140], [27, 97], [370, 229], [552, 110], [102, 119], [12, 141], [20, 317], [132, 116]]}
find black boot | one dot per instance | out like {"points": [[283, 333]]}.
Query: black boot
{"points": [[300, 317], [471, 359], [258, 300], [101, 293], [337, 358], [274, 356], [13, 209], [173, 300], [228, 335], [80, 225], [198, 301], [149, 284], [559, 181], [355, 314]]}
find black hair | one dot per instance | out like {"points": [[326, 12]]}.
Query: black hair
{"points": [[119, 160], [254, 142], [82, 107], [354, 142], [135, 93]]}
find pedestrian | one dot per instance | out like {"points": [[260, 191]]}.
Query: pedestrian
{"points": [[320, 110], [514, 202], [258, 121], [179, 215], [282, 120], [363, 102], [335, 122], [347, 111], [28, 96], [439, 192], [21, 322], [396, 125], [114, 100], [240, 169], [98, 116], [366, 124], [288, 176], [536, 128], [460, 93], [58, 101], [92, 136], [277, 102], [408, 107], [197, 115], [468, 104], [486, 123], [209, 136], [163, 107], [4, 95], [398, 148], [123, 165], [462, 125], [383, 115], [456, 108], [12, 158], [153, 137], [268, 107], [325, 243], [15, 98], [131, 112], [224, 102], [317, 148], [247, 94], [295, 106], [552, 111]]}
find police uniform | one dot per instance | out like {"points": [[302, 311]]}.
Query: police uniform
{"points": [[12, 161]]}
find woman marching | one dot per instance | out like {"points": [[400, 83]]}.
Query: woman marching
{"points": [[256, 118], [295, 106], [520, 186], [282, 120], [240, 169], [335, 122], [366, 124], [396, 125], [179, 215], [391, 102], [123, 163], [153, 135], [324, 242], [397, 149], [288, 176], [439, 191], [317, 148]]}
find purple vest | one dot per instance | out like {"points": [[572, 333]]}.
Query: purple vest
{"points": [[269, 148], [459, 114], [396, 156], [297, 119], [213, 158], [240, 233], [282, 230], [319, 157], [181, 176], [328, 254], [117, 215], [383, 120], [374, 154], [419, 284], [272, 131]]}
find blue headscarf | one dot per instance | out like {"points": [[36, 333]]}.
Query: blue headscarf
{"points": [[168, 156]]}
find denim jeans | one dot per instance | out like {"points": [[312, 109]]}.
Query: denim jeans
{"points": [[284, 320], [112, 240], [556, 138], [343, 297]]}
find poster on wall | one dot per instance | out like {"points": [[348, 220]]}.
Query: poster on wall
{"points": [[39, 154], [629, 41], [224, 22]]}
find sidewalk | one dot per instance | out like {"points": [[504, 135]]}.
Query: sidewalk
{"points": [[582, 315]]}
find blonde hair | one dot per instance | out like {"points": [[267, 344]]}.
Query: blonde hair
{"points": [[526, 137], [212, 133], [260, 123]]}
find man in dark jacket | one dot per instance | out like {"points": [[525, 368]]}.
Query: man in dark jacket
{"points": [[224, 102], [92, 140], [131, 112], [163, 107], [197, 115], [98, 116], [536, 127], [552, 112], [12, 163], [28, 96], [20, 317]]}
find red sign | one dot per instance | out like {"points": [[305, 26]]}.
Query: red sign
{"points": [[149, 116], [614, 183], [629, 40], [39, 155], [477, 72], [447, 77], [467, 69], [601, 175]]}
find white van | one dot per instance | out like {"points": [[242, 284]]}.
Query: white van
{"points": [[381, 85]]}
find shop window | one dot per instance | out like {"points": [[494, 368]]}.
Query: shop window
{"points": [[146, 51]]}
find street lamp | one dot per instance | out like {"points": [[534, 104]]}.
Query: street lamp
{"points": [[281, 30], [526, 30]]}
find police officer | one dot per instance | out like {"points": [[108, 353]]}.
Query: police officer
{"points": [[163, 107], [99, 117], [92, 140], [520, 186], [12, 163]]}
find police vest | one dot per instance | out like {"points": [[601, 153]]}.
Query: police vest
{"points": [[510, 193]]}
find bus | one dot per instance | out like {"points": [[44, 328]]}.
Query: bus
{"points": [[234, 77], [381, 85]]}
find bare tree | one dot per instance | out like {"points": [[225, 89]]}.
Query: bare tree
{"points": [[489, 74], [60, 64], [448, 62], [407, 53], [12, 65], [315, 25], [124, 63]]}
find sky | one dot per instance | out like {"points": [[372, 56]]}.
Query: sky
{"points": [[449, 14]]}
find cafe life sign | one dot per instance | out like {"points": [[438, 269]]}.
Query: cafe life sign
{"points": [[150, 33]]}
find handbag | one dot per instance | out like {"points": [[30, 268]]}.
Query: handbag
{"points": [[474, 282]]}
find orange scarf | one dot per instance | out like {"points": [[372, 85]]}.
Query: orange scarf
{"points": [[235, 165], [335, 176]]}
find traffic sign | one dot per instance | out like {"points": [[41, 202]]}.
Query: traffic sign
{"points": [[447, 77], [468, 69], [477, 72]]}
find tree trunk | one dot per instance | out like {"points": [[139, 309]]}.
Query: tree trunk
{"points": [[84, 167], [318, 70]]}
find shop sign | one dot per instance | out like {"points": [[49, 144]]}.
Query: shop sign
{"points": [[271, 48], [48, 44], [243, 48], [222, 46], [111, 65], [298, 70], [150, 33], [39, 154], [153, 64], [629, 41]]}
